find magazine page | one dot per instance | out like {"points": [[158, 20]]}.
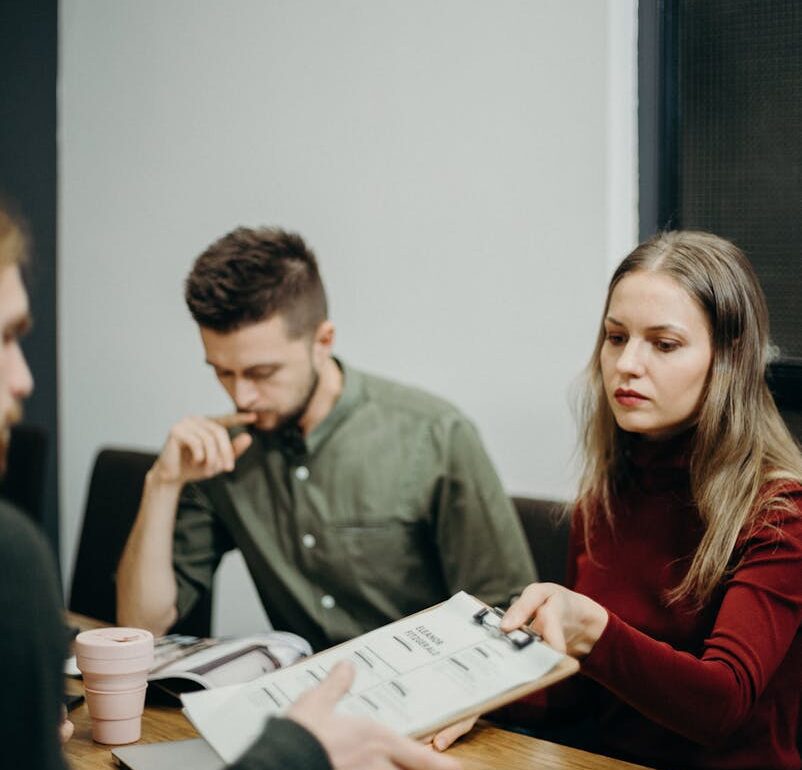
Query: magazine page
{"points": [[220, 662], [414, 675], [182, 663]]}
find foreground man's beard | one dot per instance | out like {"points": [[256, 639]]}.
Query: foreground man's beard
{"points": [[12, 416]]}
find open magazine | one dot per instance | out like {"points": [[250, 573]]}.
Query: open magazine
{"points": [[187, 663]]}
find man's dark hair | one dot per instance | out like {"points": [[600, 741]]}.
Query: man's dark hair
{"points": [[251, 275]]}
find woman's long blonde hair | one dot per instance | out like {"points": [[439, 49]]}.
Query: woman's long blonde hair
{"points": [[740, 442]]}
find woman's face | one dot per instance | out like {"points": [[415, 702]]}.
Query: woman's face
{"points": [[656, 355]]}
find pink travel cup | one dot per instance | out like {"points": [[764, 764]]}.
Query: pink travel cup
{"points": [[115, 664]]}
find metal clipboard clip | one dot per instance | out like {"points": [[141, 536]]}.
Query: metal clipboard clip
{"points": [[490, 618]]}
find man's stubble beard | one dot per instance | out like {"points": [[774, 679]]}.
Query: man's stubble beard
{"points": [[298, 413]]}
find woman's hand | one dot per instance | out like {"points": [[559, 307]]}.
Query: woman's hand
{"points": [[567, 621], [442, 740]]}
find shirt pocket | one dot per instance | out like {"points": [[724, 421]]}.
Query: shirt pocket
{"points": [[395, 564]]}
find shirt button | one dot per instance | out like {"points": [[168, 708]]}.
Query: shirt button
{"points": [[302, 473], [327, 602], [309, 540]]}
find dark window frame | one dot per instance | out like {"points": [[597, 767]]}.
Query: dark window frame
{"points": [[659, 115]]}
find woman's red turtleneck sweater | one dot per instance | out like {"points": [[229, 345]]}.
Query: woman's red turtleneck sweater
{"points": [[718, 687]]}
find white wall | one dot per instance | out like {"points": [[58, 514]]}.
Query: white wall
{"points": [[463, 168]]}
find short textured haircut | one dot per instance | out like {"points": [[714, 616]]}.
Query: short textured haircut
{"points": [[251, 275]]}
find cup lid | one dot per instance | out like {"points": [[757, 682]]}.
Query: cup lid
{"points": [[114, 643]]}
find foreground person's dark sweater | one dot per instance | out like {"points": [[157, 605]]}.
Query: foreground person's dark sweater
{"points": [[32, 645]]}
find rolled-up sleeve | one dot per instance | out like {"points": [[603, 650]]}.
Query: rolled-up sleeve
{"points": [[199, 543]]}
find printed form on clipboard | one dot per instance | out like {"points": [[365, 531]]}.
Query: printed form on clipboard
{"points": [[415, 675]]}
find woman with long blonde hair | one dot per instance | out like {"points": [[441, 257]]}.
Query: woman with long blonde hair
{"points": [[684, 603]]}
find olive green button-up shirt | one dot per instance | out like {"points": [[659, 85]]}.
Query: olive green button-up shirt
{"points": [[391, 506]]}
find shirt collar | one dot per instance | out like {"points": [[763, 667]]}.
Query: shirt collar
{"points": [[352, 395], [301, 447]]}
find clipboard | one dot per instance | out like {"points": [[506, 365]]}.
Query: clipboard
{"points": [[518, 638], [416, 675]]}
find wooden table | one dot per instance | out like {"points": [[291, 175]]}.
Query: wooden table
{"points": [[484, 748]]}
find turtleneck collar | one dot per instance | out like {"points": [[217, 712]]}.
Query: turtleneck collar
{"points": [[674, 452], [657, 466]]}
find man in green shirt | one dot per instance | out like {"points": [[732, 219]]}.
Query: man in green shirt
{"points": [[354, 500], [33, 639]]}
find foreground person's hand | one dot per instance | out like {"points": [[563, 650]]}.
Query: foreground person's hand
{"points": [[355, 743], [66, 728]]}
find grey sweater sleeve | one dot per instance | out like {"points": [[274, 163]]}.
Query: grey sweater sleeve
{"points": [[284, 745]]}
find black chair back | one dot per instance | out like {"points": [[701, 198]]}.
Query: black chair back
{"points": [[546, 526], [112, 503]]}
